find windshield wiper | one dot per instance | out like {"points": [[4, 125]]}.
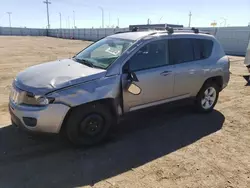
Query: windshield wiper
{"points": [[84, 61], [87, 62]]}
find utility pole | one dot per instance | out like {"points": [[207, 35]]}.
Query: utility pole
{"points": [[60, 20], [9, 17], [69, 22], [149, 21], [47, 5], [190, 16], [109, 19], [74, 19], [102, 16], [60, 24], [118, 22]]}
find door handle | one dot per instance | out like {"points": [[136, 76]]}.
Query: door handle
{"points": [[165, 73]]}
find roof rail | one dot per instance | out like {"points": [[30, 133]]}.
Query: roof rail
{"points": [[121, 32]]}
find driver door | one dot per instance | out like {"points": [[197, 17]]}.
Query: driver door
{"points": [[149, 70]]}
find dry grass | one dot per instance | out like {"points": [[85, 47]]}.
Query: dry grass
{"points": [[18, 53]]}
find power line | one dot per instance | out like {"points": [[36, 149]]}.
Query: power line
{"points": [[9, 17], [190, 16], [47, 5]]}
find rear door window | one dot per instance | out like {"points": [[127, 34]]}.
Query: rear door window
{"points": [[180, 51]]}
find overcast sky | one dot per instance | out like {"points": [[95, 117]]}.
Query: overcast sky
{"points": [[32, 13]]}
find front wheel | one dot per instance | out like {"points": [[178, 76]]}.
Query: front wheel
{"points": [[207, 97], [88, 125]]}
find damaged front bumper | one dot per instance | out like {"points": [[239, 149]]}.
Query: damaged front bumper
{"points": [[46, 119]]}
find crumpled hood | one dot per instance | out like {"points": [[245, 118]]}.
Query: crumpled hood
{"points": [[58, 74]]}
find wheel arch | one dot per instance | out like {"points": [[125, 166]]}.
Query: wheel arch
{"points": [[215, 79], [112, 104]]}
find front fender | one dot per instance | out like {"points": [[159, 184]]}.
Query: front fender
{"points": [[104, 88]]}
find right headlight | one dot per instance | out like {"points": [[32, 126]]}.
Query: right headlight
{"points": [[32, 100], [43, 100]]}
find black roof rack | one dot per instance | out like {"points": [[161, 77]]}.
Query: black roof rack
{"points": [[146, 27], [169, 30], [193, 29]]}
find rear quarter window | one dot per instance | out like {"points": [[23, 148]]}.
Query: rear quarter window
{"points": [[202, 48], [189, 49]]}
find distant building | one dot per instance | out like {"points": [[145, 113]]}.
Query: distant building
{"points": [[154, 26]]}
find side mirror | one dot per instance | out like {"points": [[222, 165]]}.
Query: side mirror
{"points": [[131, 87], [132, 77], [134, 89]]}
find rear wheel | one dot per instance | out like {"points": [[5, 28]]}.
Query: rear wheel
{"points": [[88, 125], [207, 97]]}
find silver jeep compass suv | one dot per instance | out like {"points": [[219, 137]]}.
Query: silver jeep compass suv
{"points": [[85, 95]]}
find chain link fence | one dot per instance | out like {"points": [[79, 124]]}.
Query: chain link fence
{"points": [[233, 39]]}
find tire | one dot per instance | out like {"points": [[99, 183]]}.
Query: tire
{"points": [[88, 124], [212, 91]]}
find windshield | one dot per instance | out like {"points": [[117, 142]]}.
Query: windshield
{"points": [[103, 53]]}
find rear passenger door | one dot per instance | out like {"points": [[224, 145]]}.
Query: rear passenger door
{"points": [[188, 55]]}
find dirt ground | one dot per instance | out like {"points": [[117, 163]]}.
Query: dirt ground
{"points": [[166, 146]]}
